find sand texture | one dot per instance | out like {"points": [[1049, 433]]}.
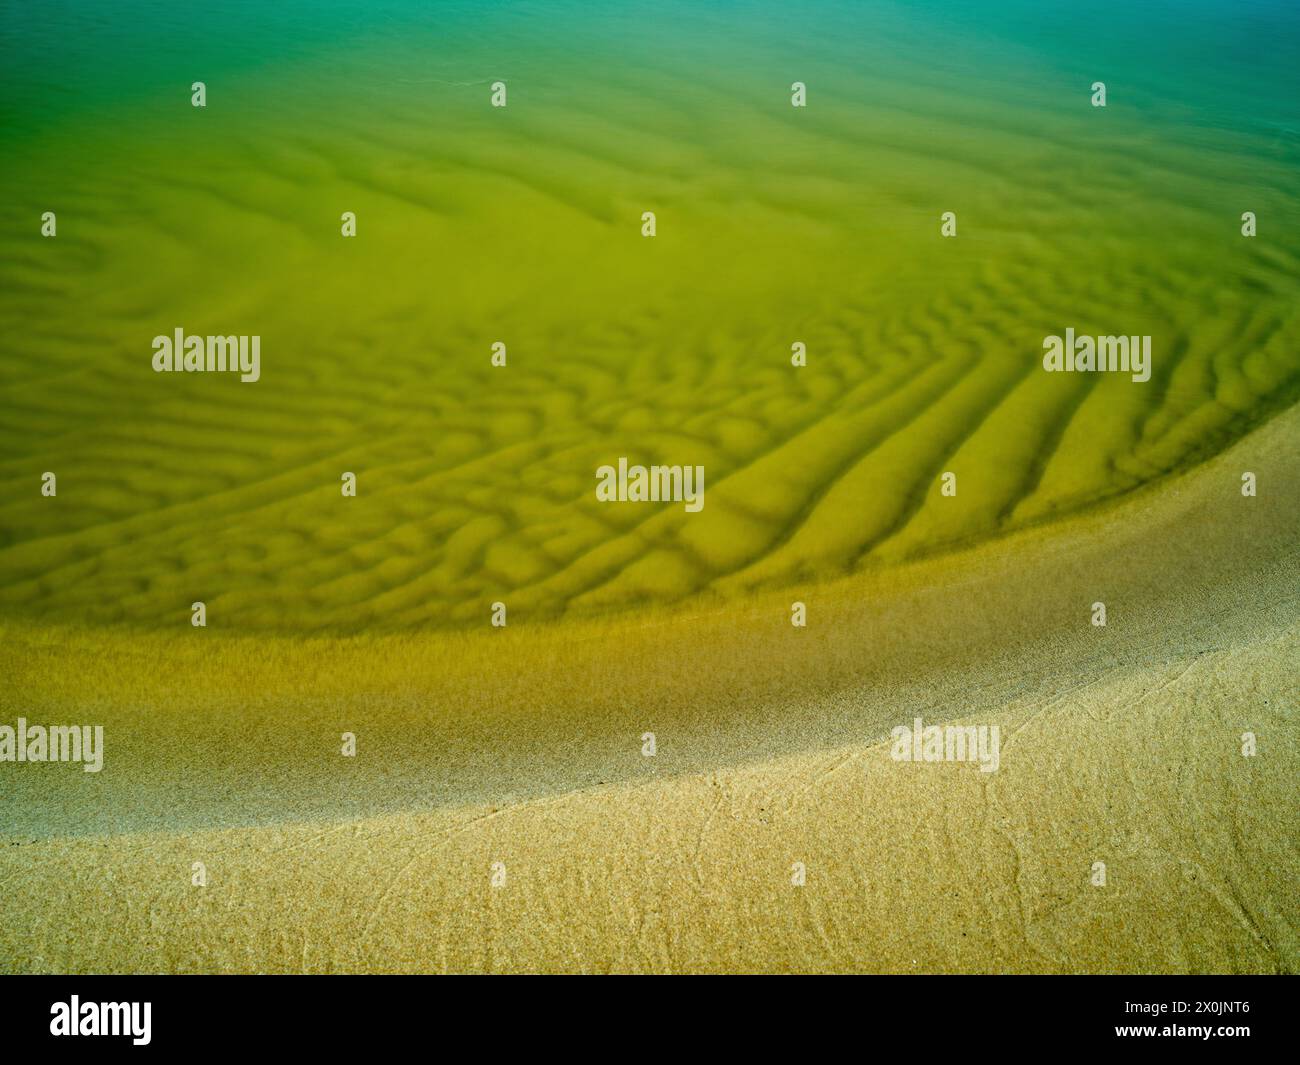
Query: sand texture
{"points": [[523, 747], [649, 767]]}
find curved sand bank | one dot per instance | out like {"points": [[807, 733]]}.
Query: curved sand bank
{"points": [[1120, 745]]}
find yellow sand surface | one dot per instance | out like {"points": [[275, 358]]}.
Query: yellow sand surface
{"points": [[520, 751]]}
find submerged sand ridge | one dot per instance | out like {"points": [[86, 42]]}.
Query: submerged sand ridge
{"points": [[1120, 745], [441, 712], [480, 227]]}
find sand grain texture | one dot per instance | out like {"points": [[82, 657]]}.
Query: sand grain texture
{"points": [[1121, 745]]}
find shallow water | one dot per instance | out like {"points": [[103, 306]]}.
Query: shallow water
{"points": [[522, 225]]}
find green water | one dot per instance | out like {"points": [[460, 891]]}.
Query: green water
{"points": [[522, 225]]}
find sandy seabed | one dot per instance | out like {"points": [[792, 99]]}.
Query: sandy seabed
{"points": [[523, 747]]}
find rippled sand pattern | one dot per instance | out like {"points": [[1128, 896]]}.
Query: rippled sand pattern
{"points": [[522, 226]]}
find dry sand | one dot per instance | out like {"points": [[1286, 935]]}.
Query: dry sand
{"points": [[1121, 745]]}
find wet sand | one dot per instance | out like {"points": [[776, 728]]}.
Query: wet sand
{"points": [[523, 747]]}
